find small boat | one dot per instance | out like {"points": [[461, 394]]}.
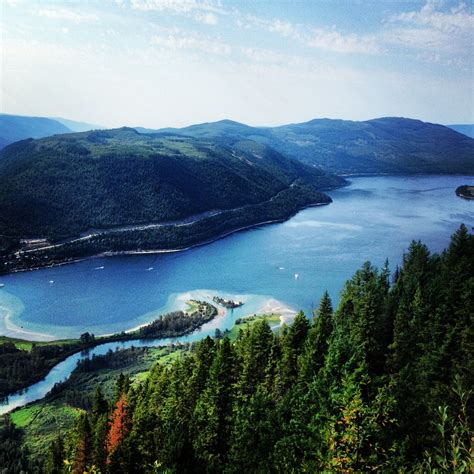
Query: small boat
{"points": [[51, 281], [2, 285], [99, 268], [149, 269], [296, 276], [281, 268]]}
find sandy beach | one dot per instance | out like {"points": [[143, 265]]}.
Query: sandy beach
{"points": [[277, 307], [13, 330]]}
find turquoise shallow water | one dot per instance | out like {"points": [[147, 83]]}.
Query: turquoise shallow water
{"points": [[371, 219]]}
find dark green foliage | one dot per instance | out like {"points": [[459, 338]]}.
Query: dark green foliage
{"points": [[171, 236], [177, 322], [381, 384], [20, 368], [13, 459], [61, 186], [55, 460]]}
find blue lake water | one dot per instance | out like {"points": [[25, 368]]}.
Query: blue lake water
{"points": [[372, 219]]}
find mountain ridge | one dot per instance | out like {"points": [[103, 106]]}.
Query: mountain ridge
{"points": [[58, 187], [385, 145]]}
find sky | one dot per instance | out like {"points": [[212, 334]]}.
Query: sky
{"points": [[158, 63]]}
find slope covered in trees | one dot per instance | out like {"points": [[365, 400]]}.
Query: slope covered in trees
{"points": [[380, 384], [60, 186], [389, 145]]}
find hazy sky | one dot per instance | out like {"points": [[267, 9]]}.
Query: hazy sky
{"points": [[162, 63]]}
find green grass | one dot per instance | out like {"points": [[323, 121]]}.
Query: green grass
{"points": [[272, 319], [193, 306], [153, 355], [42, 422], [27, 345], [24, 416]]}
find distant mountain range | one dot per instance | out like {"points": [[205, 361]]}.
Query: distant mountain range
{"points": [[380, 146], [121, 190], [387, 145], [60, 186], [466, 129], [18, 127]]}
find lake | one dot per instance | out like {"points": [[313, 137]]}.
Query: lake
{"points": [[293, 262], [372, 219]]}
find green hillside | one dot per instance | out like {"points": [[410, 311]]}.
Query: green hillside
{"points": [[61, 186], [386, 145]]}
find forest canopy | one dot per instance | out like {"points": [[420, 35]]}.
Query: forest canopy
{"points": [[381, 383]]}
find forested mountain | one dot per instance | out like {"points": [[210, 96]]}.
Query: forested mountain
{"points": [[465, 129], [60, 186], [380, 384], [18, 127], [385, 145]]}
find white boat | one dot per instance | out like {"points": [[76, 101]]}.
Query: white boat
{"points": [[149, 269], [296, 276], [99, 268], [2, 285], [51, 281]]}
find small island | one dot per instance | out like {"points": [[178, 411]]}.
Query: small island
{"points": [[229, 304], [465, 191]]}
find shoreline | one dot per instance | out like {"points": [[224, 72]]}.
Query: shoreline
{"points": [[268, 306], [19, 332], [110, 253]]}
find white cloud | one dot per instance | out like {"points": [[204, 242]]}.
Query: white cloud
{"points": [[191, 42], [455, 21], [207, 18], [450, 31], [333, 40], [204, 11], [422, 38], [325, 39], [281, 27], [66, 14], [178, 6]]}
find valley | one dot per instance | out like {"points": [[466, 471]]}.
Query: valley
{"points": [[236, 237]]}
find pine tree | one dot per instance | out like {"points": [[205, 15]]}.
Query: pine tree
{"points": [[83, 452], [56, 457], [213, 412], [119, 426], [317, 342]]}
